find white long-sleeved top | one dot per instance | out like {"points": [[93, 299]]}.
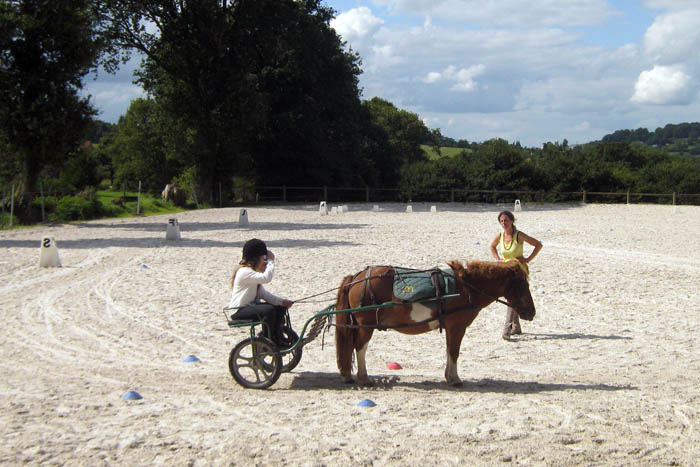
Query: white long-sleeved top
{"points": [[248, 286]]}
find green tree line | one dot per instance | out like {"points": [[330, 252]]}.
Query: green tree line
{"points": [[247, 93]]}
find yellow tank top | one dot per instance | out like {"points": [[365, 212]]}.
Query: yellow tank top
{"points": [[512, 250]]}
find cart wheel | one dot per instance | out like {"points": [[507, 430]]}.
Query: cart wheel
{"points": [[255, 363], [290, 359]]}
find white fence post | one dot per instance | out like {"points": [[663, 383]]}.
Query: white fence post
{"points": [[138, 200]]}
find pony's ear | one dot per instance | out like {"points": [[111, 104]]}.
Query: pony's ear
{"points": [[458, 269]]}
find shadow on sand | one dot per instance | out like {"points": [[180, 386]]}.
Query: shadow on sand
{"points": [[160, 242], [534, 336], [310, 380], [190, 226]]}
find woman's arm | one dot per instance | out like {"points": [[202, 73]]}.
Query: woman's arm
{"points": [[251, 277], [493, 245], [532, 241]]}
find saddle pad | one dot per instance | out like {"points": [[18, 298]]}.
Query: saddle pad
{"points": [[413, 286]]}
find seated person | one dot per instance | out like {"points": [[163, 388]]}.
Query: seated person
{"points": [[255, 269]]}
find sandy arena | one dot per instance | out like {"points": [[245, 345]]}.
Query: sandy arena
{"points": [[608, 373]]}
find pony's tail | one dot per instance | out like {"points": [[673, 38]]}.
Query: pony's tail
{"points": [[344, 336]]}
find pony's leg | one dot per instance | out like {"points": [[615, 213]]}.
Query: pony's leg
{"points": [[453, 337], [363, 337]]}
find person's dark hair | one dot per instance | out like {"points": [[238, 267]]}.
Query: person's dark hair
{"points": [[510, 216]]}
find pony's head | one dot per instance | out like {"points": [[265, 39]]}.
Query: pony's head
{"points": [[517, 292], [498, 279]]}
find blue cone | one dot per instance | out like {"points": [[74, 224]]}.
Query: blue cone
{"points": [[132, 396], [477, 243], [191, 359], [143, 266], [366, 403]]}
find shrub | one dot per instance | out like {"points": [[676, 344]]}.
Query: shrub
{"points": [[70, 208], [5, 220]]}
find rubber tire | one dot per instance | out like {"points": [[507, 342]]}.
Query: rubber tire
{"points": [[259, 371], [290, 359]]}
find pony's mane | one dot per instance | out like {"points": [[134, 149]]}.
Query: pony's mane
{"points": [[486, 270]]}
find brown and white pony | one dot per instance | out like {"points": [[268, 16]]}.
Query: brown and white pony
{"points": [[478, 285]]}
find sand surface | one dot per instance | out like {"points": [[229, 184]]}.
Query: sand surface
{"points": [[608, 373]]}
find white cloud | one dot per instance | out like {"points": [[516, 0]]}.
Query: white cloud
{"points": [[674, 37], [663, 85], [463, 78], [357, 24], [508, 12]]}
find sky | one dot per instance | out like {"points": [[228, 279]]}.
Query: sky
{"points": [[531, 71]]}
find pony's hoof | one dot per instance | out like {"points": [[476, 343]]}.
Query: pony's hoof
{"points": [[506, 337], [348, 380], [456, 384], [366, 382]]}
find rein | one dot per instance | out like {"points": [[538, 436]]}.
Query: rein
{"points": [[385, 305]]}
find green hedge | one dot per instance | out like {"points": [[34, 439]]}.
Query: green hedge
{"points": [[72, 208]]}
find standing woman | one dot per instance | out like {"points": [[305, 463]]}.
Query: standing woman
{"points": [[255, 269], [511, 242]]}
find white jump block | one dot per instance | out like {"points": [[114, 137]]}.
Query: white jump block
{"points": [[173, 230], [409, 208], [340, 210], [323, 209], [375, 208], [243, 218], [433, 208], [675, 209], [48, 255], [517, 207], [334, 210]]}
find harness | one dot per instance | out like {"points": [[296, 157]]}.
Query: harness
{"points": [[438, 281], [435, 276]]}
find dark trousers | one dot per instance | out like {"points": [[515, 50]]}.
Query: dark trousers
{"points": [[268, 313]]}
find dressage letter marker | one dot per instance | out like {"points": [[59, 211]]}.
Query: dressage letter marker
{"points": [[409, 208], [173, 230], [323, 209], [433, 208], [375, 208], [48, 255], [243, 218], [517, 207]]}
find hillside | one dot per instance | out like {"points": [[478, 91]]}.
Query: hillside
{"points": [[445, 151], [682, 139]]}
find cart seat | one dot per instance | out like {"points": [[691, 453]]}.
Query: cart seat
{"points": [[242, 322]]}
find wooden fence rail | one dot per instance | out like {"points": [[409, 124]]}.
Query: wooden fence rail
{"points": [[292, 194]]}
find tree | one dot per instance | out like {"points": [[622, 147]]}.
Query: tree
{"points": [[263, 85], [405, 131], [46, 47], [139, 151]]}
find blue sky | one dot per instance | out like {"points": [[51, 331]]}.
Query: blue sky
{"points": [[535, 71]]}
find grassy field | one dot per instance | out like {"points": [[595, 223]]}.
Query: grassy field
{"points": [[444, 150], [122, 204]]}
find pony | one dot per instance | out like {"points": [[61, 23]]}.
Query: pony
{"points": [[478, 285]]}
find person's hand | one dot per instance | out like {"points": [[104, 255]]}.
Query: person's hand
{"points": [[270, 255], [287, 303], [522, 259]]}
